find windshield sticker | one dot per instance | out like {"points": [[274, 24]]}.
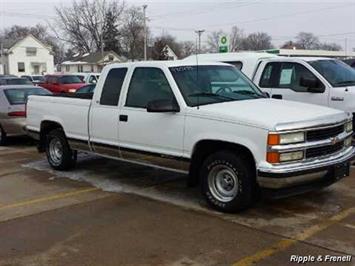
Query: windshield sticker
{"points": [[285, 77], [182, 68]]}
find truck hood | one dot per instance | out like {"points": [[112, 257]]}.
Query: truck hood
{"points": [[272, 114]]}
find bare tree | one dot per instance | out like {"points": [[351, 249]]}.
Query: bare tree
{"points": [[187, 48], [257, 41], [213, 40], [290, 45], [236, 39], [133, 33], [82, 24], [307, 40], [330, 47]]}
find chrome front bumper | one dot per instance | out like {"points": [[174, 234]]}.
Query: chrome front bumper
{"points": [[294, 174]]}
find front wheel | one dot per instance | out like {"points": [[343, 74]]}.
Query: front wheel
{"points": [[228, 181], [59, 154], [2, 137]]}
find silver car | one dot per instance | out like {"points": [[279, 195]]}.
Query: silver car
{"points": [[13, 108]]}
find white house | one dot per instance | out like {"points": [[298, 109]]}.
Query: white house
{"points": [[90, 62], [170, 53], [27, 56]]}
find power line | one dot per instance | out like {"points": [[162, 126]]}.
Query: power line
{"points": [[209, 10], [282, 16]]}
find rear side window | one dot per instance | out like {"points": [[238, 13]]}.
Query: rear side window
{"points": [[112, 87], [19, 96]]}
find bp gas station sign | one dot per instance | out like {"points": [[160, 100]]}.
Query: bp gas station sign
{"points": [[223, 44]]}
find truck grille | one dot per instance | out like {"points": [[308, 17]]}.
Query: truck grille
{"points": [[325, 133], [324, 150]]}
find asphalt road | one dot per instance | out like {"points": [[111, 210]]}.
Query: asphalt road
{"points": [[113, 213]]}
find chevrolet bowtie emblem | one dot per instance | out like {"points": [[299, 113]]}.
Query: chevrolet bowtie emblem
{"points": [[334, 140]]}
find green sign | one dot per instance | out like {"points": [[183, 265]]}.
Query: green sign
{"points": [[223, 49], [223, 44]]}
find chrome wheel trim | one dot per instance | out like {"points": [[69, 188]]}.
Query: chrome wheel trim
{"points": [[223, 183], [56, 151]]}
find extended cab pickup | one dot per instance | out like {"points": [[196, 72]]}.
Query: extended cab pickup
{"points": [[207, 120]]}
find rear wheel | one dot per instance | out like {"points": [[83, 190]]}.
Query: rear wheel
{"points": [[59, 154], [2, 137], [228, 181]]}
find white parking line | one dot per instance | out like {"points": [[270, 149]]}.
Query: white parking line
{"points": [[350, 226]]}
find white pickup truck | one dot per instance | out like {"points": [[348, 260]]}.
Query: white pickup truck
{"points": [[207, 120], [323, 81]]}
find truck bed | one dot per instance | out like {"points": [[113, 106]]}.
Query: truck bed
{"points": [[68, 111]]}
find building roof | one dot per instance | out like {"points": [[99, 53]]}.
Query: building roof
{"points": [[311, 53], [10, 43], [234, 56], [91, 58]]}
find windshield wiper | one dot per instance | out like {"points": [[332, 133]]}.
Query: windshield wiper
{"points": [[210, 94], [345, 82], [246, 92]]}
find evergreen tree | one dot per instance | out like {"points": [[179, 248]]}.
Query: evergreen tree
{"points": [[111, 34]]}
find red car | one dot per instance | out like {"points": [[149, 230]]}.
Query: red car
{"points": [[62, 83]]}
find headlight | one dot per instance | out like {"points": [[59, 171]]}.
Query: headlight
{"points": [[275, 157], [349, 126], [291, 156], [72, 90], [348, 142], [287, 138]]}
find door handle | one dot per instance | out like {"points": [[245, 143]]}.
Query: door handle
{"points": [[123, 118], [276, 96]]}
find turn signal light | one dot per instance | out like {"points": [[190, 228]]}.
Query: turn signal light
{"points": [[273, 139], [273, 157]]}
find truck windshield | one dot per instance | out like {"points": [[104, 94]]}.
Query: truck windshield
{"points": [[336, 72], [201, 85], [69, 80]]}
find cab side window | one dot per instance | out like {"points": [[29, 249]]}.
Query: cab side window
{"points": [[148, 84], [112, 88], [294, 76], [270, 75]]}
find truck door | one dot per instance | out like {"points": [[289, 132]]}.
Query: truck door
{"points": [[154, 138], [104, 113], [295, 82]]}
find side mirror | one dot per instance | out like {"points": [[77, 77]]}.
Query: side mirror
{"points": [[312, 85], [163, 106]]}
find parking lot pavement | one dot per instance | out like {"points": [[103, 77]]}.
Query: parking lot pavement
{"points": [[108, 213]]}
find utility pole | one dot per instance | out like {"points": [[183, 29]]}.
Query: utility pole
{"points": [[346, 46], [199, 33], [145, 32]]}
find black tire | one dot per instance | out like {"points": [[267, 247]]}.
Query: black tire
{"points": [[59, 154], [3, 137], [228, 181]]}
